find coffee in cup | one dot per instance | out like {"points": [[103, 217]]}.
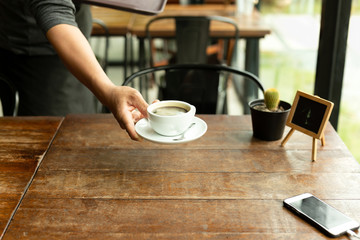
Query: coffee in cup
{"points": [[171, 117], [169, 111]]}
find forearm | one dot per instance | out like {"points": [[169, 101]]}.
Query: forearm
{"points": [[76, 53]]}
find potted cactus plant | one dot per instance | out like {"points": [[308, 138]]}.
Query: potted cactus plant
{"points": [[269, 116]]}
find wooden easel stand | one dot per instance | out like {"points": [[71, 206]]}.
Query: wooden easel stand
{"points": [[314, 145]]}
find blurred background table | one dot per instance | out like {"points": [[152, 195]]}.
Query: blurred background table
{"points": [[252, 29]]}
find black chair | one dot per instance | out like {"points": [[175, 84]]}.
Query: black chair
{"points": [[7, 97], [193, 83], [192, 39]]}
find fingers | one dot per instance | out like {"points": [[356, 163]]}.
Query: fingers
{"points": [[130, 129], [128, 107], [126, 122], [140, 104], [132, 107], [136, 115]]}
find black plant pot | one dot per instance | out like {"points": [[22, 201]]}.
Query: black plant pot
{"points": [[268, 126]]}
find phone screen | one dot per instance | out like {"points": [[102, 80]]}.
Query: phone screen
{"points": [[320, 212]]}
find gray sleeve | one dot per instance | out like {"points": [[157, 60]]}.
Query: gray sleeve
{"points": [[49, 13]]}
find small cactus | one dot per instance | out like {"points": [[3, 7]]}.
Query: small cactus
{"points": [[272, 99]]}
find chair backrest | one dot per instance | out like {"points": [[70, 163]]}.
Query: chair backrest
{"points": [[190, 83], [192, 36], [7, 97]]}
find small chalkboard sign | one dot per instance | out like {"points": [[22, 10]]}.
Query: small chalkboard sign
{"points": [[309, 114]]}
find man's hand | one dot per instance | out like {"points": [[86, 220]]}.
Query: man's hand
{"points": [[128, 107]]}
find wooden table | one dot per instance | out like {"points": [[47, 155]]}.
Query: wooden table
{"points": [[23, 144], [95, 183], [249, 26]]}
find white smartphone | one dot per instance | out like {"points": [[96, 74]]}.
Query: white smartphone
{"points": [[326, 218]]}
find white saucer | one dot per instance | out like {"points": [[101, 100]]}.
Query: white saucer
{"points": [[143, 128]]}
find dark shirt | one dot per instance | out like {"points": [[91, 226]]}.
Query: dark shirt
{"points": [[24, 23]]}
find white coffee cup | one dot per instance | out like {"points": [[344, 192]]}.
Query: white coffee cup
{"points": [[171, 117]]}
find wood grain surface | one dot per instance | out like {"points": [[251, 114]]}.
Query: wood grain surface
{"points": [[96, 183], [23, 143]]}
